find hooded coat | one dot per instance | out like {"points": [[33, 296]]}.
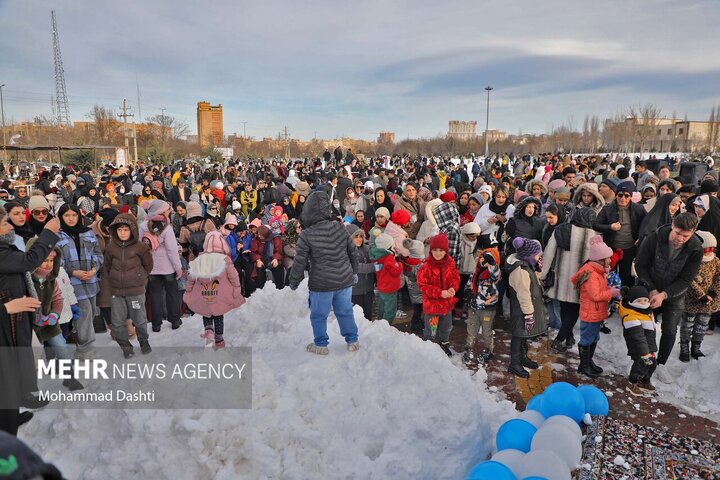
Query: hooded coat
{"points": [[658, 216], [127, 263], [520, 225], [429, 227], [598, 202], [448, 222], [324, 248], [416, 208]]}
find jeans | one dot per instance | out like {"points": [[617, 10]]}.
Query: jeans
{"points": [[671, 312], [164, 297], [555, 320], [365, 300], [589, 333], [84, 326], [56, 347], [387, 306], [341, 304]]}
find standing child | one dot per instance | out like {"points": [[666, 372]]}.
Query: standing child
{"points": [[213, 288], [128, 263], [482, 306], [700, 300], [613, 280], [387, 271], [363, 292], [411, 265], [595, 294], [438, 279], [639, 332]]}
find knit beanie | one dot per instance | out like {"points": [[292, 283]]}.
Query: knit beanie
{"points": [[627, 187], [230, 219], [707, 186], [156, 209], [400, 217], [38, 202], [236, 205], [439, 242], [638, 291], [703, 202], [415, 247], [485, 189], [448, 197], [562, 193], [477, 198], [555, 184], [611, 182], [598, 249], [215, 243], [519, 195], [526, 249], [384, 241], [382, 212], [193, 210], [27, 463], [623, 173]]}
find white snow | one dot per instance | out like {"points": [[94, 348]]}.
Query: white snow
{"points": [[397, 408], [693, 385]]}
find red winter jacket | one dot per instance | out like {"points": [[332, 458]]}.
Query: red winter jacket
{"points": [[594, 292], [258, 249], [434, 277], [388, 275]]}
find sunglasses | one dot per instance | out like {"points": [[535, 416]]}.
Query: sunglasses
{"points": [[3, 197], [41, 212], [624, 195]]}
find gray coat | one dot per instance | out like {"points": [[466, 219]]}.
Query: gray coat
{"points": [[324, 248], [365, 271]]}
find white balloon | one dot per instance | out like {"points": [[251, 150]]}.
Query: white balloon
{"points": [[509, 457], [545, 464], [561, 440], [565, 421], [536, 419]]}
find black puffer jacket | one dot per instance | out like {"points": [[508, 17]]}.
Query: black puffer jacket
{"points": [[520, 225], [657, 272], [324, 248]]}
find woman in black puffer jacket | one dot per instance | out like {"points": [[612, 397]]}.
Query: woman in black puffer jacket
{"points": [[526, 222]]}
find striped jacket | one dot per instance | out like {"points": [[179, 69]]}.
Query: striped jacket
{"points": [[90, 257]]}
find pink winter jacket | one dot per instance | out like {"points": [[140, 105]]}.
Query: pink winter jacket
{"points": [[398, 235], [213, 286]]}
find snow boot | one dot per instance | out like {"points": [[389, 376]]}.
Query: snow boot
{"points": [[127, 349], [209, 337], [468, 355], [684, 352], [635, 390], [595, 367], [526, 361], [695, 350], [219, 345], [353, 347], [312, 348], [604, 329], [558, 346], [446, 348], [516, 367], [145, 347], [584, 367], [647, 387], [570, 341]]}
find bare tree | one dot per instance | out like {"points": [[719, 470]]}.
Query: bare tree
{"points": [[644, 119], [713, 128], [105, 123], [170, 125]]}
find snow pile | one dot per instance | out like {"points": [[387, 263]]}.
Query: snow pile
{"points": [[397, 408], [694, 384]]}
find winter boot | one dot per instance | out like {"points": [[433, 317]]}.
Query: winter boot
{"points": [[219, 345], [145, 347], [684, 352], [353, 347], [127, 349], [312, 348], [558, 346], [695, 351], [486, 356], [177, 324], [446, 348], [526, 362], [584, 366], [468, 355], [595, 367], [635, 389], [570, 341], [604, 329], [24, 417], [516, 367], [209, 337]]}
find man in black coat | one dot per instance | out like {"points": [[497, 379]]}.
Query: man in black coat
{"points": [[667, 262], [179, 193], [619, 223], [17, 307], [325, 249]]}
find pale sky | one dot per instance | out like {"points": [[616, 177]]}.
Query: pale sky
{"points": [[355, 68]]}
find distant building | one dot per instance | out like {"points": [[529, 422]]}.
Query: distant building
{"points": [[462, 130], [209, 124], [661, 135], [386, 137], [496, 135], [191, 138]]}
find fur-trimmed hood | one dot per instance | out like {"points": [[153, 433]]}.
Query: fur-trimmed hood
{"points": [[208, 265], [592, 188], [429, 210], [529, 186], [520, 207]]}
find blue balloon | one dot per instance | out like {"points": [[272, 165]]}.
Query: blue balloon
{"points": [[535, 403], [596, 402], [491, 471], [561, 398], [515, 434], [534, 478]]}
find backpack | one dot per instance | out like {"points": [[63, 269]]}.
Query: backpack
{"points": [[197, 239]]}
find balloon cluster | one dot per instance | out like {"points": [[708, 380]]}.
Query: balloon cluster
{"points": [[545, 441]]}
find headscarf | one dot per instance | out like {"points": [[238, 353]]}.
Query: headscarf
{"points": [[72, 232], [25, 232]]}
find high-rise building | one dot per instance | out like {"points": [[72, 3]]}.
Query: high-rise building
{"points": [[209, 124], [462, 130], [386, 137]]}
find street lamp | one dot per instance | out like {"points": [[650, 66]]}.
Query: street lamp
{"points": [[487, 121], [2, 111]]}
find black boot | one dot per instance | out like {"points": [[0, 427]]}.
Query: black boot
{"points": [[570, 341], [695, 351], [595, 367], [446, 348], [585, 367], [558, 346], [145, 347], [684, 352], [526, 362], [516, 367], [127, 349]]}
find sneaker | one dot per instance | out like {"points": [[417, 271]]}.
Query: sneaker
{"points": [[647, 386], [72, 385], [468, 355], [353, 347], [400, 314], [145, 347], [32, 402], [72, 338], [316, 349], [635, 390], [486, 356], [219, 345], [446, 348]]}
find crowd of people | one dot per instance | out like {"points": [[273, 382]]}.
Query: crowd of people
{"points": [[565, 239]]}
